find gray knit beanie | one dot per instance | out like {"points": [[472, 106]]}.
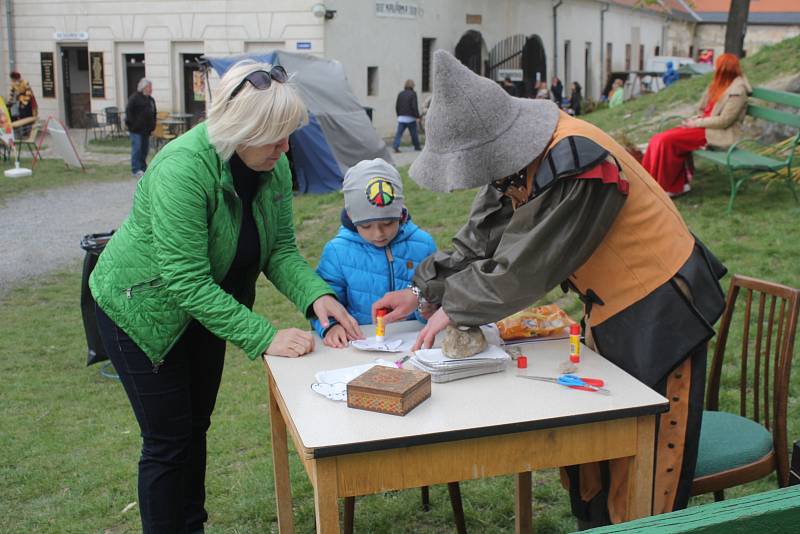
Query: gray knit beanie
{"points": [[373, 191], [475, 132]]}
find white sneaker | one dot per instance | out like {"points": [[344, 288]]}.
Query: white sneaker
{"points": [[138, 174]]}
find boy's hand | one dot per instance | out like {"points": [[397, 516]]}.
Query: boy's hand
{"points": [[326, 307], [335, 337]]}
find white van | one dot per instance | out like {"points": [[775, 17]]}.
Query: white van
{"points": [[659, 63]]}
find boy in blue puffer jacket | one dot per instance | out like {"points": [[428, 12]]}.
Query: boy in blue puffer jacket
{"points": [[376, 249]]}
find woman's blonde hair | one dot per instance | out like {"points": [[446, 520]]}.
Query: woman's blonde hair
{"points": [[254, 117]]}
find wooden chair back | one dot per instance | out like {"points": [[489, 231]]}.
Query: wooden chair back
{"points": [[769, 322]]}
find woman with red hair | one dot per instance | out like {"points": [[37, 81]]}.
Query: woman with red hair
{"points": [[668, 158]]}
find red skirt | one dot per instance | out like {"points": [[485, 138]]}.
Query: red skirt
{"points": [[669, 156]]}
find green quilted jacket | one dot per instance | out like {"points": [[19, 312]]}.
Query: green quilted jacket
{"points": [[164, 265]]}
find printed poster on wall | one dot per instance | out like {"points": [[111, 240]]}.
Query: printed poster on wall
{"points": [[48, 75], [198, 86], [96, 76]]}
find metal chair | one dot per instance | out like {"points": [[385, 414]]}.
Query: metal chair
{"points": [[113, 120], [453, 489], [94, 124], [736, 449]]}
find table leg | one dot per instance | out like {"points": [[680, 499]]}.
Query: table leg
{"points": [[523, 522], [640, 470], [326, 497], [280, 464]]}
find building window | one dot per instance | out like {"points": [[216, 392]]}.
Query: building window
{"points": [[372, 81], [658, 51], [427, 48], [641, 57], [567, 69], [627, 57], [691, 51], [609, 62]]}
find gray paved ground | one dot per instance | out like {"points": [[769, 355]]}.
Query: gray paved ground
{"points": [[40, 231]]}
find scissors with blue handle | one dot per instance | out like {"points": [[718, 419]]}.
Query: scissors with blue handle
{"points": [[573, 381]]}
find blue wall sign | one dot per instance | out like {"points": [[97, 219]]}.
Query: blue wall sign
{"points": [[304, 45]]}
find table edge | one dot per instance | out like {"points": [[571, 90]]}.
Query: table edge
{"points": [[455, 435]]}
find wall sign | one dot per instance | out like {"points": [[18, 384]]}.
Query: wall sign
{"points": [[48, 75], [71, 36], [303, 45], [402, 10], [96, 77]]}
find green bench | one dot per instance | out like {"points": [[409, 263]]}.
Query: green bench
{"points": [[774, 511], [739, 161]]}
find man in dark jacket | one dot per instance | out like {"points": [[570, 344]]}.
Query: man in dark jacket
{"points": [[407, 115], [140, 118]]}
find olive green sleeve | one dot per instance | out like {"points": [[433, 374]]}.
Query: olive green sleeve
{"points": [[542, 245], [477, 240]]}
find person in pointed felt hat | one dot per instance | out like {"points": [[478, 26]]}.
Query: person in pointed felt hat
{"points": [[560, 202]]}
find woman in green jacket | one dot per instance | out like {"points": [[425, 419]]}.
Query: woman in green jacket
{"points": [[177, 281]]}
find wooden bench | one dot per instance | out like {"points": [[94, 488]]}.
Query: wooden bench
{"points": [[739, 161], [772, 511]]}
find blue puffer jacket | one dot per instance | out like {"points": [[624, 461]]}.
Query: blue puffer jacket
{"points": [[360, 273]]}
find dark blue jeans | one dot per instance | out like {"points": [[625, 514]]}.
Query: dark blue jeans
{"points": [[412, 129], [173, 405], [140, 145]]}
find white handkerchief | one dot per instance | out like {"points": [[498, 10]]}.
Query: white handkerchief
{"points": [[389, 345], [333, 382]]}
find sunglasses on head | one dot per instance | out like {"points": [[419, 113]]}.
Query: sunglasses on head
{"points": [[262, 79], [518, 179]]}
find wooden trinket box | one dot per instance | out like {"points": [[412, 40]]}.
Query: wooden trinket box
{"points": [[388, 390]]}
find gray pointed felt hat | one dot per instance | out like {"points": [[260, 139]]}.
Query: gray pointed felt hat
{"points": [[475, 132]]}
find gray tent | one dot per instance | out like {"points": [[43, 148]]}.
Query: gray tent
{"points": [[339, 133]]}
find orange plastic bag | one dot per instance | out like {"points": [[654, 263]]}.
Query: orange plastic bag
{"points": [[535, 321]]}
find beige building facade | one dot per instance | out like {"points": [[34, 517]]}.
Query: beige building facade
{"points": [[86, 56]]}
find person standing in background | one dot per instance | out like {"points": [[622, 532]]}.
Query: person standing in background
{"points": [[21, 102], [575, 98], [557, 90], [140, 118], [407, 110]]}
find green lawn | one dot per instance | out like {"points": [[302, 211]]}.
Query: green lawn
{"points": [[50, 173]]}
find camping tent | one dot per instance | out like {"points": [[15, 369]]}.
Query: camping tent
{"points": [[339, 133]]}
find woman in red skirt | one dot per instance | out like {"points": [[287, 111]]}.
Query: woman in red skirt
{"points": [[668, 158]]}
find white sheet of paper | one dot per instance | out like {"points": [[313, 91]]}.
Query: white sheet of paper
{"points": [[436, 356], [387, 345]]}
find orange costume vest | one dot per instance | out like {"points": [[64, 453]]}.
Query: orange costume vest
{"points": [[644, 248]]}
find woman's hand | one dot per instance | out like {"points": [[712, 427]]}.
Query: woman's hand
{"points": [[326, 307], [291, 343], [335, 337], [690, 123], [399, 303], [436, 324]]}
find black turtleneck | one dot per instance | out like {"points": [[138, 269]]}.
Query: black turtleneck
{"points": [[245, 263]]}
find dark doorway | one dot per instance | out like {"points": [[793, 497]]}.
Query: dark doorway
{"points": [[134, 71], [468, 51], [194, 87], [75, 78], [534, 65]]}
